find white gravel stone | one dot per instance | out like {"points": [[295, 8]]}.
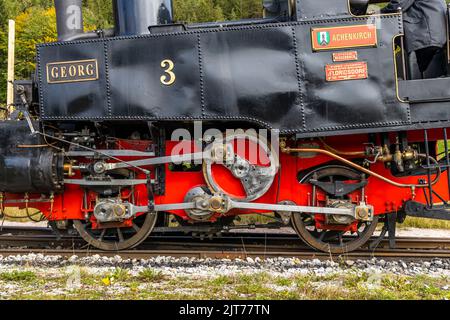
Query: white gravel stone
{"points": [[350, 263], [214, 267], [316, 262]]}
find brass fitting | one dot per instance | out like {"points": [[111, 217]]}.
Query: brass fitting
{"points": [[217, 204], [398, 157], [68, 169]]}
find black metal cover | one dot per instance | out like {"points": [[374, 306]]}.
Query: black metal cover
{"points": [[265, 74], [24, 168]]}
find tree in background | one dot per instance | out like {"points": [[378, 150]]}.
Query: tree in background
{"points": [[3, 14], [98, 14], [216, 10], [3, 52], [240, 9], [16, 7], [197, 11], [35, 25]]}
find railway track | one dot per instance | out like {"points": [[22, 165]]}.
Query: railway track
{"points": [[20, 241]]}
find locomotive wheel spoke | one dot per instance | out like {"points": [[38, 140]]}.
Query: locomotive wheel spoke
{"points": [[322, 235], [341, 241], [120, 234], [102, 235]]}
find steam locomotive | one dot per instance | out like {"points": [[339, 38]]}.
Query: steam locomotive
{"points": [[156, 126]]}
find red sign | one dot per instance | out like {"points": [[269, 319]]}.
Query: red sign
{"points": [[347, 71], [344, 37], [345, 56]]}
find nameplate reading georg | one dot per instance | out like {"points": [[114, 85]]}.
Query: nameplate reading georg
{"points": [[347, 71], [344, 37], [72, 71]]}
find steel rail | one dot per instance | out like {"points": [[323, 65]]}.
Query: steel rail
{"points": [[242, 254], [18, 234], [231, 246]]}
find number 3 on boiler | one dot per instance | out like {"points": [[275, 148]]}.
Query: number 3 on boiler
{"points": [[169, 78]]}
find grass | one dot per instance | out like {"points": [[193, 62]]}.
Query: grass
{"points": [[422, 223], [18, 276], [150, 275], [117, 276], [150, 284]]}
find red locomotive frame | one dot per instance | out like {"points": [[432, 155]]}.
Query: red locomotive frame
{"points": [[385, 197]]}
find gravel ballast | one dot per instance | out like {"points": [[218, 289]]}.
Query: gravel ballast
{"points": [[37, 276], [212, 267]]}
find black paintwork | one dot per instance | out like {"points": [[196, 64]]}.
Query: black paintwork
{"points": [[24, 168], [265, 74], [419, 210]]}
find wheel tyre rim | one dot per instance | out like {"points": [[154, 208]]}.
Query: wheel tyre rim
{"points": [[140, 236]]}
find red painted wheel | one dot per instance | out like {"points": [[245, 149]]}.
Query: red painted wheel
{"points": [[243, 168]]}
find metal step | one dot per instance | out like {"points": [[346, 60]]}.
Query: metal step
{"points": [[419, 210]]}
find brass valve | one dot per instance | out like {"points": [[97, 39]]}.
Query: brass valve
{"points": [[398, 157], [69, 168]]}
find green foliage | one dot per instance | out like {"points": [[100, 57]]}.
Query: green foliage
{"points": [[18, 276], [3, 50], [422, 223], [240, 9], [216, 10], [3, 13], [98, 14], [150, 275], [197, 11], [34, 26]]}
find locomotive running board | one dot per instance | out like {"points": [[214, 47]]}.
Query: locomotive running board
{"points": [[419, 210]]}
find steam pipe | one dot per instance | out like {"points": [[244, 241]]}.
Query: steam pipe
{"points": [[92, 35], [285, 149], [69, 19]]}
